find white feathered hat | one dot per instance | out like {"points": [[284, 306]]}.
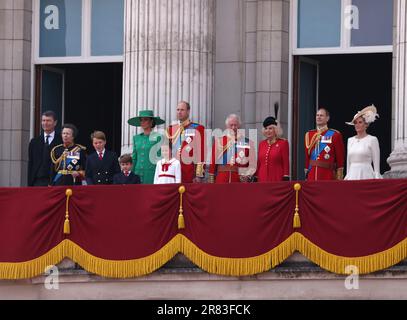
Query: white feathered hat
{"points": [[369, 114]]}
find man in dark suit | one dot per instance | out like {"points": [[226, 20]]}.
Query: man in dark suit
{"points": [[39, 160], [101, 165], [126, 176]]}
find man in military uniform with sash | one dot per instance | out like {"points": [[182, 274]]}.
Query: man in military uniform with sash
{"points": [[68, 159], [187, 143], [231, 155], [324, 150]]}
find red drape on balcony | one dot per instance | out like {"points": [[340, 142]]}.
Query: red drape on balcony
{"points": [[236, 229]]}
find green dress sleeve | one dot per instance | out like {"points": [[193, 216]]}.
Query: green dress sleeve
{"points": [[134, 155]]}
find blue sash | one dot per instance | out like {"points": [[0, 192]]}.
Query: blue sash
{"points": [[232, 151], [229, 153], [319, 146], [69, 161], [177, 144]]}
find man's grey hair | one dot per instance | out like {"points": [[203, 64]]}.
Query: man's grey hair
{"points": [[233, 116]]}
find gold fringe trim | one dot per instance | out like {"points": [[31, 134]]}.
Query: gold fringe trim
{"points": [[237, 266], [99, 266], [337, 264], [35, 267], [207, 262], [123, 268]]}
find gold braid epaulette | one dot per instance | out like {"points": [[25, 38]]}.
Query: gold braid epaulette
{"points": [[57, 161], [53, 159], [309, 145], [175, 135], [180, 130], [80, 146]]}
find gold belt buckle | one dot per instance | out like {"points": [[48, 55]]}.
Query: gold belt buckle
{"points": [[65, 172]]}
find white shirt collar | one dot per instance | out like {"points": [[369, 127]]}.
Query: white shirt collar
{"points": [[169, 161], [51, 136]]}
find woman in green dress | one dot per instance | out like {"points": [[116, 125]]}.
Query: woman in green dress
{"points": [[143, 166]]}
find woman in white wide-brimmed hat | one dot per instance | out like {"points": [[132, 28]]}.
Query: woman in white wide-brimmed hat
{"points": [[363, 148]]}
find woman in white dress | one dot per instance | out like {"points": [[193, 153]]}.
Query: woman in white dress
{"points": [[363, 149], [168, 170]]}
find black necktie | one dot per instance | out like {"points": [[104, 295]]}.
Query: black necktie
{"points": [[47, 139]]}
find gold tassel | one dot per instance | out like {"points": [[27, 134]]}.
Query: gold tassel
{"points": [[67, 227], [297, 220], [181, 220]]}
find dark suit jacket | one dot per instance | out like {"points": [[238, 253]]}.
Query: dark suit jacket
{"points": [[101, 171], [38, 157], [120, 178]]}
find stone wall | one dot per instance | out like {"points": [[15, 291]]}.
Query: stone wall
{"points": [[15, 84]]}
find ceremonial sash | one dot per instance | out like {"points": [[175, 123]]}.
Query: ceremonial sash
{"points": [[319, 146], [177, 142], [180, 138], [71, 159], [229, 153]]}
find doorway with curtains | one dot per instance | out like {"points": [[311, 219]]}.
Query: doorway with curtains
{"points": [[87, 95], [343, 84]]}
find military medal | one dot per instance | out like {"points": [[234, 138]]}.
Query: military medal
{"points": [[325, 139], [327, 156], [189, 132], [189, 139], [327, 149], [188, 148]]}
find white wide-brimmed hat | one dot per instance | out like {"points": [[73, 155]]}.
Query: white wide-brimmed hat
{"points": [[369, 114]]}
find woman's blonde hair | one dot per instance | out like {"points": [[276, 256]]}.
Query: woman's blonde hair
{"points": [[277, 129]]}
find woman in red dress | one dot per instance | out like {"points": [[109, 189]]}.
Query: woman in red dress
{"points": [[272, 161]]}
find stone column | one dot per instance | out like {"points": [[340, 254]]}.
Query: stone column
{"points": [[252, 42], [398, 158], [15, 84], [272, 60], [169, 54]]}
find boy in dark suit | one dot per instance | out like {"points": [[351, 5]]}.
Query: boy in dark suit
{"points": [[101, 165], [39, 159], [126, 176]]}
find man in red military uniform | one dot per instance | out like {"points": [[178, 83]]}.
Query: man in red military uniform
{"points": [[324, 151], [232, 155], [187, 143]]}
